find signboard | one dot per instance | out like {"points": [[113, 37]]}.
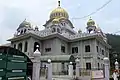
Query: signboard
{"points": [[13, 64], [98, 74]]}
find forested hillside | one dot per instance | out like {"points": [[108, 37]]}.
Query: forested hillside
{"points": [[114, 41]]}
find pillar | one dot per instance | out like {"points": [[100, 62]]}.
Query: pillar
{"points": [[70, 69], [36, 65], [106, 68], [49, 70], [116, 65], [77, 67]]}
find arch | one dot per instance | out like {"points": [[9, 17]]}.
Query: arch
{"points": [[21, 32], [59, 14], [14, 45], [26, 45], [54, 30], [20, 46], [25, 31], [18, 33], [58, 30], [62, 24], [72, 58], [35, 46]]}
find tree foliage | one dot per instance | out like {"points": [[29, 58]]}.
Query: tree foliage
{"points": [[114, 41]]}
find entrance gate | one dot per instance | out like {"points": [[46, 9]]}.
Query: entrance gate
{"points": [[13, 64]]}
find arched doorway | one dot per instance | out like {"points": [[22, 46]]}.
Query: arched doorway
{"points": [[20, 46], [35, 46]]}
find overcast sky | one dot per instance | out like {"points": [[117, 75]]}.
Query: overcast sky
{"points": [[13, 12]]}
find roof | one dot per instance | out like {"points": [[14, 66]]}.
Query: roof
{"points": [[67, 38]]}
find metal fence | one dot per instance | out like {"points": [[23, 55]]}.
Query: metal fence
{"points": [[43, 71], [87, 72], [82, 72]]}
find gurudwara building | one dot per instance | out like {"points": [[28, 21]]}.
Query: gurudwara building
{"points": [[58, 41]]}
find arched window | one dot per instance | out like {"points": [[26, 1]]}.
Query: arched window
{"points": [[20, 46], [62, 24], [35, 46], [59, 14], [14, 45], [18, 33], [58, 30], [26, 45], [25, 31], [53, 30], [21, 32]]}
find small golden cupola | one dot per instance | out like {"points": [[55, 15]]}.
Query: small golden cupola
{"points": [[59, 12], [91, 25], [55, 21], [91, 22]]}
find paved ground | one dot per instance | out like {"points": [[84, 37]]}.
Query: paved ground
{"points": [[68, 78]]}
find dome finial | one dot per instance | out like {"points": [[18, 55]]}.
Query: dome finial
{"points": [[58, 2], [90, 17], [25, 19]]}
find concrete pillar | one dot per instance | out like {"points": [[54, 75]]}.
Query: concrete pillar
{"points": [[77, 67], [106, 68], [116, 73], [30, 47], [36, 65], [17, 46], [116, 65], [70, 69], [49, 70]]}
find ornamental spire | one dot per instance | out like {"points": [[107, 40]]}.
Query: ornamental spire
{"points": [[59, 3]]}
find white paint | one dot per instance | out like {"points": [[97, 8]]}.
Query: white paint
{"points": [[106, 67], [17, 61], [0, 78], [49, 71], [17, 70], [77, 70], [29, 78], [70, 70], [1, 69], [18, 56], [36, 71], [115, 74], [15, 78]]}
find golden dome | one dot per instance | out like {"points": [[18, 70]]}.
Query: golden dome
{"points": [[55, 21], [62, 18], [59, 12], [90, 22]]}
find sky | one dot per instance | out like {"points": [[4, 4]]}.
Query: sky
{"points": [[14, 12]]}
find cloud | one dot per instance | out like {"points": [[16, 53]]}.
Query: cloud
{"points": [[13, 12]]}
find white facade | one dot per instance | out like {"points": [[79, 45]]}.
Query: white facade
{"points": [[59, 38]]}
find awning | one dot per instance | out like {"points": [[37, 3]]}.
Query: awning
{"points": [[58, 58]]}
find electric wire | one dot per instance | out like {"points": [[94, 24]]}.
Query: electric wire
{"points": [[95, 11]]}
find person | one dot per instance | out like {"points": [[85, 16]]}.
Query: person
{"points": [[115, 75]]}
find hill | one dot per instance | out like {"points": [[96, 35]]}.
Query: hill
{"points": [[114, 41]]}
